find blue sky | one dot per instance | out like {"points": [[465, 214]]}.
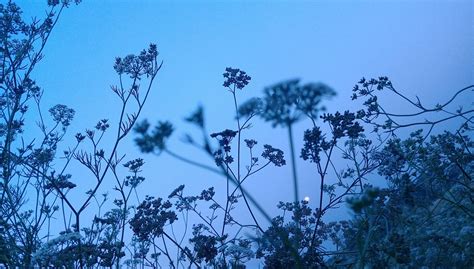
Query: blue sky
{"points": [[425, 47]]}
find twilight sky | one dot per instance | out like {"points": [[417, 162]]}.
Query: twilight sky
{"points": [[425, 47]]}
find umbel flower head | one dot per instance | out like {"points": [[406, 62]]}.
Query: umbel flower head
{"points": [[279, 106], [250, 108], [151, 217], [149, 141], [62, 114], [235, 78], [314, 143], [310, 96], [222, 155], [224, 138], [63, 2], [138, 65], [343, 124], [273, 155], [286, 102]]}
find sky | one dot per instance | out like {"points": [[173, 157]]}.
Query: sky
{"points": [[425, 47]]}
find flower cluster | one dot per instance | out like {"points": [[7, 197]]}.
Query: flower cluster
{"points": [[102, 125], [236, 77], [208, 194], [310, 96], [134, 165], [60, 182], [133, 181], [151, 217], [280, 103], [204, 245], [63, 2], [250, 143], [273, 155], [137, 66], [284, 103], [156, 139], [250, 108], [62, 114], [79, 137], [224, 138], [366, 88], [285, 244], [314, 142], [343, 124]]}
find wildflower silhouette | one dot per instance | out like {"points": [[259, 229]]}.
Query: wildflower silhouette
{"points": [[399, 222], [284, 104]]}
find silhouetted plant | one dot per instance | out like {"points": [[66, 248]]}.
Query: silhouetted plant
{"points": [[289, 244], [364, 156], [145, 65], [28, 172], [429, 185], [367, 90], [399, 223], [404, 224], [284, 104], [20, 52], [207, 236]]}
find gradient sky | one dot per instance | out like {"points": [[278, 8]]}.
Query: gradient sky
{"points": [[425, 47]]}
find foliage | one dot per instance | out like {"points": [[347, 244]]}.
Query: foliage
{"points": [[23, 163], [35, 187], [405, 224], [385, 230], [286, 244], [411, 196]]}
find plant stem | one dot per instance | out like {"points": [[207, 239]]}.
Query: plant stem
{"points": [[293, 162]]}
